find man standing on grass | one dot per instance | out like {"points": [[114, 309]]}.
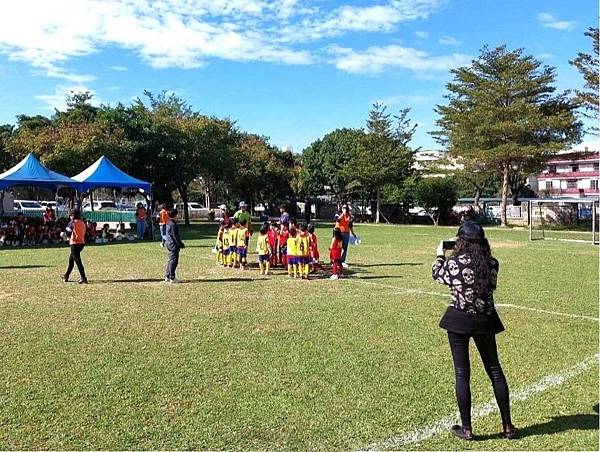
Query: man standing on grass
{"points": [[174, 245], [345, 222], [243, 214]]}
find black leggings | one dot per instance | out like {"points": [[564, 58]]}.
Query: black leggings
{"points": [[459, 345], [75, 258]]}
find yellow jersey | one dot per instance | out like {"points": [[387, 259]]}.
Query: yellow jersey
{"points": [[292, 246], [303, 245], [241, 236], [233, 234], [226, 238], [262, 247]]}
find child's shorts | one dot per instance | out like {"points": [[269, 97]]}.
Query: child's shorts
{"points": [[292, 260], [232, 249], [241, 251], [226, 252], [263, 257], [303, 260]]}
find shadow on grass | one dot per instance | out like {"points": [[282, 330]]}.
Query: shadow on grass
{"points": [[556, 425], [14, 267], [375, 277], [397, 264]]}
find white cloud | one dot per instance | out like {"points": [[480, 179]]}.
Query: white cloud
{"points": [[118, 68], [422, 34], [449, 40], [549, 21], [405, 100], [378, 59], [57, 99], [189, 33]]}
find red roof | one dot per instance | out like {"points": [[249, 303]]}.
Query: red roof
{"points": [[570, 175], [575, 157]]}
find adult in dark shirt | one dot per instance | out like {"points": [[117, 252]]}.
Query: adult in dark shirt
{"points": [[285, 216], [471, 272], [173, 244]]}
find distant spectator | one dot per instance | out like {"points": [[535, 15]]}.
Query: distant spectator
{"points": [[163, 219], [140, 219], [49, 216], [107, 237], [77, 241], [285, 216]]}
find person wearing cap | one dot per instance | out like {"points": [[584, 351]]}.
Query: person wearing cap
{"points": [[77, 229], [471, 273], [243, 214], [345, 222]]}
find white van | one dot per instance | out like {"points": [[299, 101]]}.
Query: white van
{"points": [[100, 205], [23, 204]]}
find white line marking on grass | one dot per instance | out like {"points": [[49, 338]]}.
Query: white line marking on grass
{"points": [[501, 305], [444, 424], [563, 314]]}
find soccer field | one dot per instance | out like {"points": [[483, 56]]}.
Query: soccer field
{"points": [[234, 360]]}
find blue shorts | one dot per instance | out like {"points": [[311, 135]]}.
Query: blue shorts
{"points": [[226, 252], [232, 249], [241, 251], [303, 259], [291, 260], [263, 257]]}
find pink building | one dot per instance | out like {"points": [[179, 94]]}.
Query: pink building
{"points": [[573, 174]]}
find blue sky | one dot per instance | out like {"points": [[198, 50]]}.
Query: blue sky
{"points": [[292, 70]]}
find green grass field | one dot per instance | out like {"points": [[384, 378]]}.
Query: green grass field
{"points": [[234, 360]]}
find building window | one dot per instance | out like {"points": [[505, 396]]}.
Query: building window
{"points": [[594, 184], [596, 166], [572, 183], [548, 184], [552, 169], [574, 168]]}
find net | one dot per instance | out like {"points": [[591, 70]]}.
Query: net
{"points": [[573, 220]]}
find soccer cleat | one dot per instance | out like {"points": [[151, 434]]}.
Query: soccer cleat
{"points": [[174, 281], [510, 432], [334, 277], [345, 265], [82, 281], [64, 278], [167, 280]]}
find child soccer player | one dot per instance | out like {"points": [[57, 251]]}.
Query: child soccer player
{"points": [[263, 248], [272, 237], [335, 253], [284, 234], [233, 234], [219, 244], [292, 253], [303, 251], [243, 236], [226, 244], [314, 249]]}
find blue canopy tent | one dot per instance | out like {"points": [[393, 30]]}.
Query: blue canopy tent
{"points": [[104, 174], [30, 171]]}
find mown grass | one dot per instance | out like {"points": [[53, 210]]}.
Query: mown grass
{"points": [[234, 360]]}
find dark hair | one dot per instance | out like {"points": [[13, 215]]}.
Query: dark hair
{"points": [[235, 220], [311, 228], [243, 222], [303, 227], [274, 223], [480, 254], [292, 231], [76, 213], [264, 228], [337, 233], [173, 213]]}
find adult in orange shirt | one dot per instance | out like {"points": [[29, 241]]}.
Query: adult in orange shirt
{"points": [[163, 219], [140, 218], [77, 241], [344, 223]]}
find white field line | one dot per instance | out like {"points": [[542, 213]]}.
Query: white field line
{"points": [[502, 305], [444, 424]]}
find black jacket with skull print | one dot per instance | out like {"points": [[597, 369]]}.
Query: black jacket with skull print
{"points": [[457, 273]]}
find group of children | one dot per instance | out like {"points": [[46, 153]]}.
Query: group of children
{"points": [[289, 245]]}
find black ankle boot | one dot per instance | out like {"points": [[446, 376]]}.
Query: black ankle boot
{"points": [[462, 432]]}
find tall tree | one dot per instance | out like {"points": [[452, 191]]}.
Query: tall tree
{"points": [[503, 112], [589, 67], [437, 195], [324, 160], [383, 156]]}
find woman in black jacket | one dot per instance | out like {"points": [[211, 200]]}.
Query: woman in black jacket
{"points": [[471, 272]]}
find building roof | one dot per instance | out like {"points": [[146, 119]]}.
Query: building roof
{"points": [[570, 175]]}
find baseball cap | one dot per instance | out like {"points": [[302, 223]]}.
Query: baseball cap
{"points": [[471, 231]]}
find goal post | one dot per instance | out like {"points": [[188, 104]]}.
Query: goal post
{"points": [[572, 220]]}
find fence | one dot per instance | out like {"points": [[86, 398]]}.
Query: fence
{"points": [[99, 216]]}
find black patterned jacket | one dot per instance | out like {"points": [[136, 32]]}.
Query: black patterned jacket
{"points": [[457, 273]]}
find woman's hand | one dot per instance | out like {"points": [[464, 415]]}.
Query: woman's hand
{"points": [[440, 249]]}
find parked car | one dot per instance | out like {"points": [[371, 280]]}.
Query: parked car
{"points": [[195, 209], [22, 204], [100, 205]]}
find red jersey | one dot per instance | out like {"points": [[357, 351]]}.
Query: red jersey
{"points": [[335, 252], [314, 246], [272, 238], [283, 237]]}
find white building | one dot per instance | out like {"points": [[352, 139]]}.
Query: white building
{"points": [[573, 173]]}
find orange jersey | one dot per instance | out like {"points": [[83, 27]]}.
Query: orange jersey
{"points": [[77, 233], [163, 217]]}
